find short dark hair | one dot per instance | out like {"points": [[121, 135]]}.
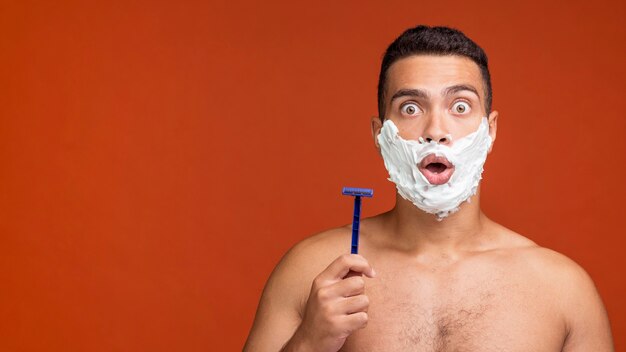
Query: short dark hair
{"points": [[432, 41]]}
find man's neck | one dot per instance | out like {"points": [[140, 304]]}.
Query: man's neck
{"points": [[413, 231]]}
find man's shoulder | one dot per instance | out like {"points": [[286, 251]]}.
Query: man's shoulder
{"points": [[544, 266], [558, 271], [313, 254], [559, 282], [551, 279], [310, 256]]}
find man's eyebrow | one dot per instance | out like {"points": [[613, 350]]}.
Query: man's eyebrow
{"points": [[460, 87], [417, 93]]}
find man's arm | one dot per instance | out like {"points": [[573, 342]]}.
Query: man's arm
{"points": [[277, 315], [586, 318], [310, 305]]}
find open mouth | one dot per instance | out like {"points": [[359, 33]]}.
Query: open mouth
{"points": [[436, 169]]}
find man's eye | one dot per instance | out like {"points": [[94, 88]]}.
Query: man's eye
{"points": [[460, 107], [410, 109]]}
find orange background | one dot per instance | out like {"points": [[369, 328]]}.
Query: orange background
{"points": [[157, 158]]}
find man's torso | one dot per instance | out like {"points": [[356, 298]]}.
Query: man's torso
{"points": [[482, 304], [493, 300]]}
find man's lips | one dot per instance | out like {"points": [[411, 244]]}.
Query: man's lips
{"points": [[436, 169]]}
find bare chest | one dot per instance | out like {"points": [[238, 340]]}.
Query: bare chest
{"points": [[478, 311]]}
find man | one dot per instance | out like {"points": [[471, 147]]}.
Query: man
{"points": [[447, 278]]}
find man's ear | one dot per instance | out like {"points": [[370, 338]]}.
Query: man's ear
{"points": [[493, 127], [377, 124]]}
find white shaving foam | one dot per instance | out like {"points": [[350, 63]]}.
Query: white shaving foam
{"points": [[402, 157]]}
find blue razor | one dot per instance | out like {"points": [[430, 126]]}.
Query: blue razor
{"points": [[357, 193]]}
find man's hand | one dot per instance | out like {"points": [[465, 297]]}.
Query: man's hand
{"points": [[337, 306]]}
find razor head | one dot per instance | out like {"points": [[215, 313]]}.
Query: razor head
{"points": [[360, 192]]}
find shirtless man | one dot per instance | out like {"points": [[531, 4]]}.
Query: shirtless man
{"points": [[447, 278]]}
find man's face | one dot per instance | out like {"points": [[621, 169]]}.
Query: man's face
{"points": [[439, 98], [436, 99]]}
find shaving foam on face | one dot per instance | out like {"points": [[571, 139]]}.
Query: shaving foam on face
{"points": [[467, 155]]}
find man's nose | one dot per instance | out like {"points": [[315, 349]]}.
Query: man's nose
{"points": [[436, 131]]}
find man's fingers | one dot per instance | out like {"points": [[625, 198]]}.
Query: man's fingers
{"points": [[352, 273], [350, 287], [339, 268], [356, 320], [355, 304]]}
